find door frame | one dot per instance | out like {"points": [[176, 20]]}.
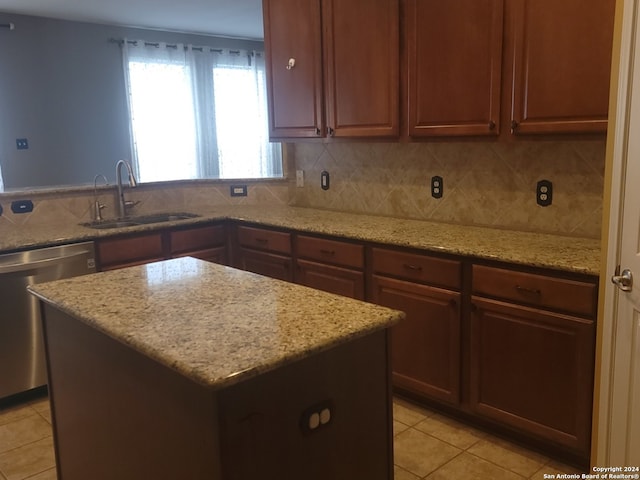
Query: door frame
{"points": [[625, 32]]}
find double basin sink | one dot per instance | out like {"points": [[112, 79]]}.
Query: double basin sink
{"points": [[139, 220]]}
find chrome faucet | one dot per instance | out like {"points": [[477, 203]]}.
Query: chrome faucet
{"points": [[123, 204], [97, 205]]}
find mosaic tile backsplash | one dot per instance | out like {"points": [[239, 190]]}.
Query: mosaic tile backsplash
{"points": [[484, 183]]}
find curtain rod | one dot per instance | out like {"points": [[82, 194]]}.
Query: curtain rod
{"points": [[173, 45]]}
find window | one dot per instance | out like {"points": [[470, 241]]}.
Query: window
{"points": [[198, 113]]}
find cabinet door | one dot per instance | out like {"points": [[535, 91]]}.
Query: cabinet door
{"points": [[121, 252], [561, 65], [206, 243], [454, 66], [361, 42], [533, 370], [338, 280], [426, 344], [292, 32], [267, 264]]}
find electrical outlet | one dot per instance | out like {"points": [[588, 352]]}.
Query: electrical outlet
{"points": [[325, 180], [238, 190], [299, 178], [544, 193], [317, 416], [437, 187], [22, 143]]}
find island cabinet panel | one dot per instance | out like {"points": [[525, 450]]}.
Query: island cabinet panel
{"points": [[332, 68], [122, 252], [264, 422], [206, 243], [561, 62], [330, 265], [426, 345], [264, 251], [454, 66], [120, 415]]}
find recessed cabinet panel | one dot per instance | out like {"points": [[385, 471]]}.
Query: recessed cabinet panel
{"points": [[338, 280], [121, 252], [536, 290], [425, 346], [533, 370], [267, 264], [294, 75], [362, 50], [454, 66], [561, 64]]}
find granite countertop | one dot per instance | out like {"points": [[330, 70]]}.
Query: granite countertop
{"points": [[571, 254], [214, 324]]}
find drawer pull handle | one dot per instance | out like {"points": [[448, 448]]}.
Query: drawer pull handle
{"points": [[416, 268], [532, 291], [327, 252]]}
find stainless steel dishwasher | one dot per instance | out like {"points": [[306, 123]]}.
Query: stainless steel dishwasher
{"points": [[22, 361]]}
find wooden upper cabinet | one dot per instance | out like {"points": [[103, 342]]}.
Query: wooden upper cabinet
{"points": [[292, 30], [362, 50], [561, 63], [454, 63], [332, 68]]}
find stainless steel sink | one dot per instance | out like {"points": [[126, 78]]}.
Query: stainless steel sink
{"points": [[109, 224], [139, 220]]}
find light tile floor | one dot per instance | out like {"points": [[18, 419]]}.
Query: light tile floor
{"points": [[427, 446]]}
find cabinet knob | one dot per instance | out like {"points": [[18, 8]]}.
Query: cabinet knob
{"points": [[514, 126], [318, 131], [291, 63], [330, 131], [492, 125]]}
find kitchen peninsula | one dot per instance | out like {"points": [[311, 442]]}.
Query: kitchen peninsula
{"points": [[188, 369]]}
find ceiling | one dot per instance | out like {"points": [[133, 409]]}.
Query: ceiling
{"points": [[233, 18]]}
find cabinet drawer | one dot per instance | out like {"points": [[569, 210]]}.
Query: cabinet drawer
{"points": [[331, 251], [194, 239], [338, 280], [539, 290], [262, 239], [130, 250], [420, 268]]}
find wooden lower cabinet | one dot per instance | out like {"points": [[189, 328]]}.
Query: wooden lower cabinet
{"points": [[331, 265], [203, 242], [265, 263], [533, 370], [338, 280], [425, 346], [113, 253], [206, 243]]}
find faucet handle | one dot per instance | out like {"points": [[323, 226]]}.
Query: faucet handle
{"points": [[131, 203]]}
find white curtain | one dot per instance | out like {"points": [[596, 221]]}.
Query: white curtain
{"points": [[198, 113]]}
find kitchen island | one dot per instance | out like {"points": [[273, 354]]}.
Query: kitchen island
{"points": [[191, 370]]}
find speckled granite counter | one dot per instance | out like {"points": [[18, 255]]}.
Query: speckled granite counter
{"points": [[570, 254], [213, 324]]}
